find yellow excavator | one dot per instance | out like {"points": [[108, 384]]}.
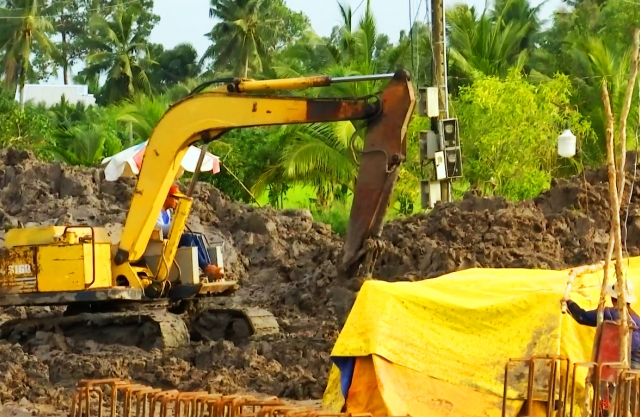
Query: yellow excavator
{"points": [[141, 284]]}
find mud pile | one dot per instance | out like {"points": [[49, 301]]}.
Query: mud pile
{"points": [[565, 226], [285, 262]]}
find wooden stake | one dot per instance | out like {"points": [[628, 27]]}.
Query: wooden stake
{"points": [[615, 219], [624, 115], [622, 282], [616, 195]]}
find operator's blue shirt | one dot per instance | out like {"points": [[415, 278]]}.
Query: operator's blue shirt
{"points": [[187, 239], [163, 222], [590, 318]]}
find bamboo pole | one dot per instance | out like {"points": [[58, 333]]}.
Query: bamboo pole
{"points": [[622, 281], [614, 206], [626, 107], [616, 194]]}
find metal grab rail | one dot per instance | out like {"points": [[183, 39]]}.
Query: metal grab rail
{"points": [[560, 400]]}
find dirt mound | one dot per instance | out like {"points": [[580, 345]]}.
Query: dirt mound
{"points": [[285, 262], [565, 226]]}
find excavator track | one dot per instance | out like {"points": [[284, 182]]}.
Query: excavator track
{"points": [[147, 327], [159, 325], [214, 319]]}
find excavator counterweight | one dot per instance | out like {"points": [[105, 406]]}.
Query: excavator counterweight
{"points": [[112, 285]]}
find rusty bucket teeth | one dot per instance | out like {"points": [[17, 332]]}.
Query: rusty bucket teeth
{"points": [[116, 397]]}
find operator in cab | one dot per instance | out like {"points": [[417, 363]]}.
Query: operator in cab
{"points": [[212, 272], [590, 318]]}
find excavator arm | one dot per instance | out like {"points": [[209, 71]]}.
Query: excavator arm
{"points": [[206, 116]]}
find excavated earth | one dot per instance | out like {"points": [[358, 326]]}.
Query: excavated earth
{"points": [[286, 263]]}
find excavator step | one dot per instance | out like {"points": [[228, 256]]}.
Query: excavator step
{"points": [[116, 294], [69, 297]]}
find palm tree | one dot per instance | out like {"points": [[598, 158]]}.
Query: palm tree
{"points": [[598, 60], [320, 154], [174, 66], [69, 23], [520, 12], [142, 112], [24, 27], [485, 45], [351, 50], [238, 39], [325, 155], [85, 144], [120, 51]]}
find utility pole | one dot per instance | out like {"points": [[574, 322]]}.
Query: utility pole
{"points": [[440, 75], [441, 144]]}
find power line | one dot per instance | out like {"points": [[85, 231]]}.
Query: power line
{"points": [[360, 4], [412, 25]]}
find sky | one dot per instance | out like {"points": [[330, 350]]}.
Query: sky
{"points": [[189, 21]]}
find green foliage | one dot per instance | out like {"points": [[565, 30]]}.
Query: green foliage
{"points": [[82, 136], [249, 32], [512, 86], [245, 154], [321, 155], [337, 216], [118, 50], [23, 27], [174, 66], [509, 133], [22, 129]]}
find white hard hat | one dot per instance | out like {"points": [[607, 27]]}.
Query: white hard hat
{"points": [[629, 296]]}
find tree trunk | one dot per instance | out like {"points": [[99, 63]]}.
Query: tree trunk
{"points": [[22, 94], [65, 62], [624, 114], [246, 67]]}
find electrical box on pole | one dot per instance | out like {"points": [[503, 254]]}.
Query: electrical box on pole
{"points": [[451, 146], [428, 102], [441, 144]]}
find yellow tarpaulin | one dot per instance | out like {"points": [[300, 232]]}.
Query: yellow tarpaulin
{"points": [[439, 347]]}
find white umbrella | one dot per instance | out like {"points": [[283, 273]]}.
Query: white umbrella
{"points": [[128, 162]]}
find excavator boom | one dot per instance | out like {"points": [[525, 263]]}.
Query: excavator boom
{"points": [[147, 287], [206, 116]]}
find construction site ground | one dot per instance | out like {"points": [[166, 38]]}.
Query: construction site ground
{"points": [[286, 263]]}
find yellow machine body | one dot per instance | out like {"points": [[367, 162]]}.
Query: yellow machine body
{"points": [[77, 266], [55, 258]]}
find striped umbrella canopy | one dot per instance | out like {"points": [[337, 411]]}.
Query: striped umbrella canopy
{"points": [[128, 162]]}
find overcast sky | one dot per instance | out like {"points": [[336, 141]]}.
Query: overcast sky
{"points": [[188, 20]]}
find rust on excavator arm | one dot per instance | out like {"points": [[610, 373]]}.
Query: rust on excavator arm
{"points": [[385, 148]]}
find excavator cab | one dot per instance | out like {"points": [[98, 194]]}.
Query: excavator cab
{"points": [[147, 277]]}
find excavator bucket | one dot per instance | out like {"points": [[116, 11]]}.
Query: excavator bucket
{"points": [[384, 149]]}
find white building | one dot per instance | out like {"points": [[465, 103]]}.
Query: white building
{"points": [[52, 94]]}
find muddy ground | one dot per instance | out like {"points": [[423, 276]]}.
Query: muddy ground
{"points": [[286, 263]]}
